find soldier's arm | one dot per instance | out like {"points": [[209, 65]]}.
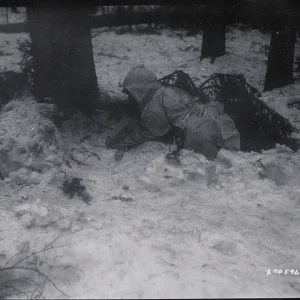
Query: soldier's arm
{"points": [[152, 125]]}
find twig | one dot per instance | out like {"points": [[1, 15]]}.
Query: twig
{"points": [[34, 253], [31, 296], [21, 252], [46, 278], [190, 47], [110, 55], [18, 290], [121, 198], [16, 280], [68, 266], [33, 292], [36, 271], [95, 154], [60, 246], [293, 285], [22, 187], [51, 243], [78, 161], [98, 33], [11, 284]]}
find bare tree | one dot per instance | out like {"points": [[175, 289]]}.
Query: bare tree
{"points": [[62, 57]]}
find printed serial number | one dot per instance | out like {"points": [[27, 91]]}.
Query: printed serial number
{"points": [[285, 272]]}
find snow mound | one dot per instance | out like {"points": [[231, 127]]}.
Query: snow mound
{"points": [[41, 214], [28, 140], [270, 170], [31, 145], [283, 167], [279, 166], [192, 169], [278, 99]]}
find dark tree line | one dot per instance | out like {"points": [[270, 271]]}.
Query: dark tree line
{"points": [[283, 36], [63, 62]]}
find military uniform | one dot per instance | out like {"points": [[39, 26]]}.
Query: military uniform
{"points": [[206, 128]]}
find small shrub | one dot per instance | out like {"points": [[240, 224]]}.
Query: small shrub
{"points": [[26, 63]]}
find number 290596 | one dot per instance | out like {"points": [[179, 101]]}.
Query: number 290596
{"points": [[283, 272]]}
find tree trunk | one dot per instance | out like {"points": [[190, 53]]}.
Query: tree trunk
{"points": [[63, 62], [280, 58], [14, 10], [6, 14], [213, 41]]}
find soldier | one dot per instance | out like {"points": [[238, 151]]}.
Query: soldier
{"points": [[203, 128]]}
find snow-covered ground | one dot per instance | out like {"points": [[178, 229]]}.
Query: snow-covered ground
{"points": [[153, 228], [8, 17]]}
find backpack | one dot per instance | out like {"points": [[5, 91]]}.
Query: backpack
{"points": [[260, 127]]}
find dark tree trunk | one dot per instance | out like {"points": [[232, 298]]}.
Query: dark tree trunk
{"points": [[281, 58], [6, 14], [63, 62], [92, 9], [213, 41], [14, 10]]}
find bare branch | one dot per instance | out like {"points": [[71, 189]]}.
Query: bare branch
{"points": [[16, 289], [51, 243], [36, 271], [22, 187], [16, 280], [46, 248], [46, 278], [21, 252], [39, 283]]}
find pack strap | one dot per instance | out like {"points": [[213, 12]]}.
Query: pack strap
{"points": [[177, 132], [164, 108]]}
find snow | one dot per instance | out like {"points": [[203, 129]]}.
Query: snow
{"points": [[12, 17], [154, 228], [171, 50]]}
